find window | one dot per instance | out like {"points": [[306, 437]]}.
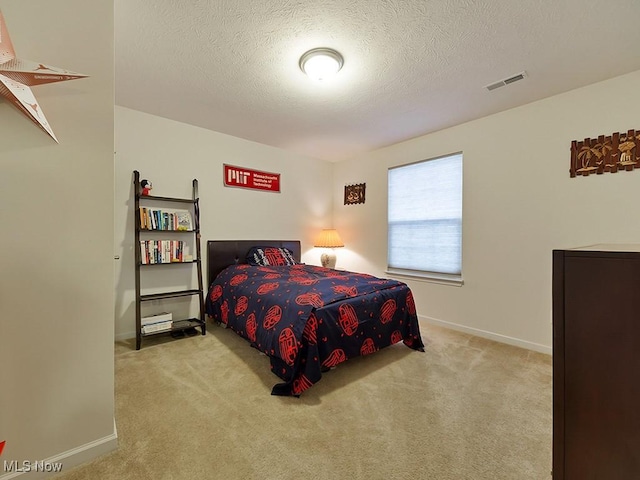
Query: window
{"points": [[425, 219]]}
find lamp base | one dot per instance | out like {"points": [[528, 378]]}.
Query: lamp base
{"points": [[328, 260]]}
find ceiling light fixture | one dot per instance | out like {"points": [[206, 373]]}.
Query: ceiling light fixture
{"points": [[321, 63]]}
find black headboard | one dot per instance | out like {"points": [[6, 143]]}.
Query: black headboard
{"points": [[222, 253]]}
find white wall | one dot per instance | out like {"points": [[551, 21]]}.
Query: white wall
{"points": [[170, 154], [56, 274], [519, 204]]}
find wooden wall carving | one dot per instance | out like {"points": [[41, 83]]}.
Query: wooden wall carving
{"points": [[619, 151], [354, 194]]}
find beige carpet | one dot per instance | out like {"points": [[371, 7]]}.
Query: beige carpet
{"points": [[200, 408]]}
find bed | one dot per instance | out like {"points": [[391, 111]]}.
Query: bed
{"points": [[307, 319]]}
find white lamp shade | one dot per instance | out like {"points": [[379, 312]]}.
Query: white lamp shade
{"points": [[328, 238]]}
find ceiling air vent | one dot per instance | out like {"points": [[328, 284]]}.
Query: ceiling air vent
{"points": [[506, 81]]}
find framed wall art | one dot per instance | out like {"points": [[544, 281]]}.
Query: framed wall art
{"points": [[606, 154], [354, 194], [251, 179]]}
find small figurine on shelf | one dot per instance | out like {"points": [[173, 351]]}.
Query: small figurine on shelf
{"points": [[146, 187]]}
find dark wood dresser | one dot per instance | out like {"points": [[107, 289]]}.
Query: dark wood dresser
{"points": [[596, 363]]}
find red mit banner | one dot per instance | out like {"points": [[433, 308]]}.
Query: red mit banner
{"points": [[254, 179]]}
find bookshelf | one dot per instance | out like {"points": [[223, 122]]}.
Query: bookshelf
{"points": [[165, 229]]}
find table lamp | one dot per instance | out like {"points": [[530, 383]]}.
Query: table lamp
{"points": [[330, 239]]}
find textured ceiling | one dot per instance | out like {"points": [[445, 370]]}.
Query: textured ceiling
{"points": [[411, 66]]}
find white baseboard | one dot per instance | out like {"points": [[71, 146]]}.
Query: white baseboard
{"points": [[490, 335], [69, 459]]}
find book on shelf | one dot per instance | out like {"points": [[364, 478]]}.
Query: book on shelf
{"points": [[157, 318], [183, 220], [157, 327], [163, 251], [163, 219]]}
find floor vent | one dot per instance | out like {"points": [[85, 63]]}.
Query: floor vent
{"points": [[506, 81]]}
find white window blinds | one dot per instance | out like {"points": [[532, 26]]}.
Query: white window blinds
{"points": [[425, 216]]}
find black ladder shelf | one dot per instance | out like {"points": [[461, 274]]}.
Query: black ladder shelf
{"points": [[193, 206]]}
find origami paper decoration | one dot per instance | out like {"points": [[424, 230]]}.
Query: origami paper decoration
{"points": [[16, 76]]}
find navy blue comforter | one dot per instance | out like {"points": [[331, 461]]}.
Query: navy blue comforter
{"points": [[308, 319]]}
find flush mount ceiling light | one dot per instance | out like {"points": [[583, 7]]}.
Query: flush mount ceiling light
{"points": [[321, 63]]}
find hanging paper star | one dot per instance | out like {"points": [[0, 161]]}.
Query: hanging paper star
{"points": [[16, 76]]}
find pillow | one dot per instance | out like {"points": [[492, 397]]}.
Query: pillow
{"points": [[266, 256]]}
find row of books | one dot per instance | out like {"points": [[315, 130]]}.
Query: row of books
{"points": [[157, 323], [164, 251], [160, 219]]}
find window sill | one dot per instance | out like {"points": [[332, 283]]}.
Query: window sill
{"points": [[442, 278]]}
